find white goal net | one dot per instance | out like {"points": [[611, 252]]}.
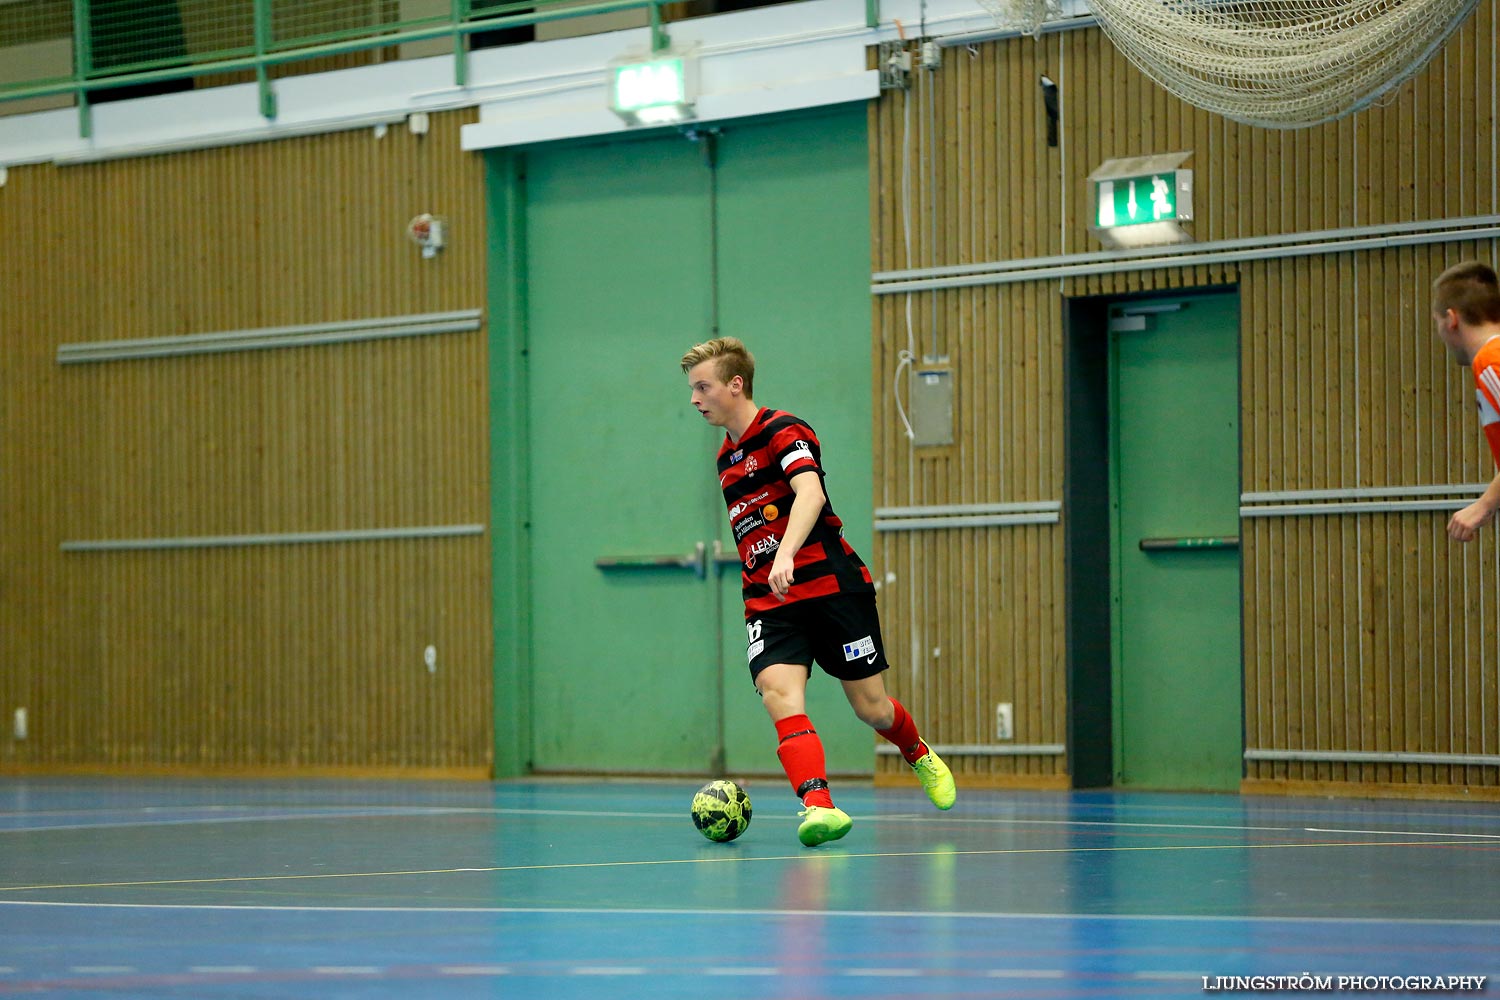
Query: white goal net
{"points": [[1280, 63]]}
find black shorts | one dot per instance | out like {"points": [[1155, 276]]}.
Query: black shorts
{"points": [[842, 633]]}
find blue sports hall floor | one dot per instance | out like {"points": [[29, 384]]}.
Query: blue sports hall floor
{"points": [[567, 888]]}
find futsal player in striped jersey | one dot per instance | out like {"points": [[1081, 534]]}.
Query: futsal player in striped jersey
{"points": [[1466, 308], [808, 595]]}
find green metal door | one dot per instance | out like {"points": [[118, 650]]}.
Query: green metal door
{"points": [[794, 217], [634, 250], [618, 285], [1174, 378]]}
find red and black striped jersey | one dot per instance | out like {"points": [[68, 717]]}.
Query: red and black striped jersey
{"points": [[756, 474]]}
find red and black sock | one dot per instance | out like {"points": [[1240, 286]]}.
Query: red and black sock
{"points": [[801, 754], [903, 733]]}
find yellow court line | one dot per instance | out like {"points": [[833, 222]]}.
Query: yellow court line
{"points": [[699, 861]]}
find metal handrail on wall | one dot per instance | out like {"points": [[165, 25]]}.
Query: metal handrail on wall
{"points": [[259, 45]]}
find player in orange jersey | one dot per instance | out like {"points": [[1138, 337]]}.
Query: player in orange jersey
{"points": [[1466, 309]]}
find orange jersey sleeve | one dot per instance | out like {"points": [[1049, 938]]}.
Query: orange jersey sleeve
{"points": [[1487, 386]]}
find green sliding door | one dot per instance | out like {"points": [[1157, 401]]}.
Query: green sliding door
{"points": [[635, 251]]}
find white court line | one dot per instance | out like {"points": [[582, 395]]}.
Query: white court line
{"points": [[347, 970], [699, 914], [1408, 833], [608, 970], [1291, 811], [909, 818], [376, 812], [214, 821], [232, 807], [662, 862], [223, 970], [1289, 808], [473, 970], [1148, 974], [997, 821], [1291, 815], [673, 817], [102, 970]]}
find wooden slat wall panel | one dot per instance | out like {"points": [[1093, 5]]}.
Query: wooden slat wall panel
{"points": [[246, 658], [959, 650], [1356, 629], [1368, 632]]}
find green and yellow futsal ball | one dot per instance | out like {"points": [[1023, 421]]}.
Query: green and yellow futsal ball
{"points": [[721, 810]]}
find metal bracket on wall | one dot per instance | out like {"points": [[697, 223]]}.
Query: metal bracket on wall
{"points": [[660, 41], [264, 30], [895, 65]]}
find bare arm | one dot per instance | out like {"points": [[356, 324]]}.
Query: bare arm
{"points": [[806, 508], [1465, 524]]}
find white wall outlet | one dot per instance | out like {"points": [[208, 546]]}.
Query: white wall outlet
{"points": [[18, 729], [1004, 719], [429, 657]]}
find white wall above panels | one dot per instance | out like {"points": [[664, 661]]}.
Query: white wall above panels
{"points": [[781, 58]]}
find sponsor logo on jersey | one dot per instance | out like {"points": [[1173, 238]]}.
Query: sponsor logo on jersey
{"points": [[736, 456], [769, 512], [745, 505], [763, 547], [745, 525]]}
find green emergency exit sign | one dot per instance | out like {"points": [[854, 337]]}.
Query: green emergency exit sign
{"points": [[1136, 201], [654, 92]]}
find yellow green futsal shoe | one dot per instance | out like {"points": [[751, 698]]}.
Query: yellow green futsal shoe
{"points": [[822, 824], [936, 779]]}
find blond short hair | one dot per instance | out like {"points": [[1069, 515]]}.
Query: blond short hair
{"points": [[1470, 289], [731, 359]]}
